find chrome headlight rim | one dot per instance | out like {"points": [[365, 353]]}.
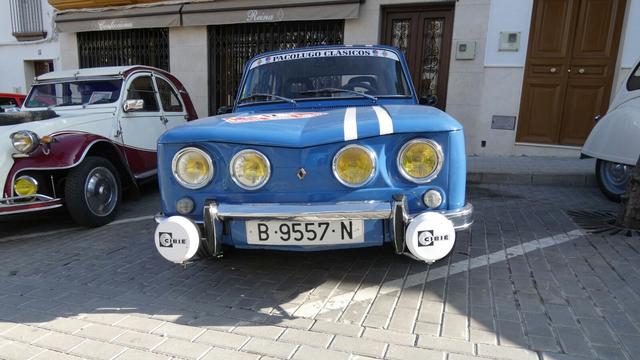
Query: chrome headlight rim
{"points": [[436, 170], [372, 156], [35, 141], [232, 171], [191, 186]]}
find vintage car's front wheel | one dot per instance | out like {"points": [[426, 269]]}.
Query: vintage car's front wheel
{"points": [[613, 178], [93, 192]]}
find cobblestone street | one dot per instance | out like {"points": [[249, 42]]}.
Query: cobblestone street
{"points": [[524, 283]]}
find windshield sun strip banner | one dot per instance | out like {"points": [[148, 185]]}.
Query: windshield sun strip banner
{"points": [[298, 55]]}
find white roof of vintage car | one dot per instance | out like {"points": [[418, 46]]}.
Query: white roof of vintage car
{"points": [[88, 72]]}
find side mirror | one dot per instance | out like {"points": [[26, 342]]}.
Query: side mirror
{"points": [[133, 105], [224, 110], [430, 100]]}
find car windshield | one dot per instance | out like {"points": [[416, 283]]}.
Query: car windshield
{"points": [[325, 73], [78, 92]]}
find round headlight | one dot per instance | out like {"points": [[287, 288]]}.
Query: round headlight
{"points": [[354, 165], [250, 169], [420, 160], [192, 168], [25, 186], [25, 141]]}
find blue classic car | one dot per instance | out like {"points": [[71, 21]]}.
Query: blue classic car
{"points": [[325, 148]]}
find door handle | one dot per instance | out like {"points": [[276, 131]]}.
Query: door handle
{"points": [[581, 70], [553, 70], [164, 120]]}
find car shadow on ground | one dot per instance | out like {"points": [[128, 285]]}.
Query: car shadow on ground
{"points": [[503, 283]]}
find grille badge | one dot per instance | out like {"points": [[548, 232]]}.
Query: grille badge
{"points": [[301, 173]]}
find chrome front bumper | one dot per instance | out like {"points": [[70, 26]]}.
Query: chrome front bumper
{"points": [[461, 218], [17, 205], [395, 212]]}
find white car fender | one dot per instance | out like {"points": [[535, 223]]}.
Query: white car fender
{"points": [[616, 137]]}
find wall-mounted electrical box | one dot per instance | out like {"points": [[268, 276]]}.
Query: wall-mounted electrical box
{"points": [[465, 50], [509, 41]]}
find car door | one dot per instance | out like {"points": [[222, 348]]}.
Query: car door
{"points": [[173, 110], [141, 128]]}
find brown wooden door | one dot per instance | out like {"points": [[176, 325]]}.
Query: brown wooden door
{"points": [[573, 46], [423, 34]]}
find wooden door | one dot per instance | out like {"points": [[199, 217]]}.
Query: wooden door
{"points": [[423, 34], [573, 46]]}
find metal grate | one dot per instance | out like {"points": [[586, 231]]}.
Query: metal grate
{"points": [[26, 20], [124, 47], [230, 46]]}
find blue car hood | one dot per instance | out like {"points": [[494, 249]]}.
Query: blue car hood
{"points": [[304, 127]]}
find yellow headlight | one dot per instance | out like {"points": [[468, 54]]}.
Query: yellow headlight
{"points": [[420, 160], [354, 165], [25, 186], [192, 168], [250, 169]]}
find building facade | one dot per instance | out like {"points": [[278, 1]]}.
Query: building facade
{"points": [[28, 43], [523, 76]]}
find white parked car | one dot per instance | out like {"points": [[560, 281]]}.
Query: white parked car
{"points": [[85, 135], [615, 140]]}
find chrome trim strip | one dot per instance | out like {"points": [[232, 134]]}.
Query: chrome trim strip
{"points": [[146, 174], [307, 212], [38, 197], [31, 210]]}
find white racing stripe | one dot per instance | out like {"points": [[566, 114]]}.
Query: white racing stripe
{"points": [[340, 302], [386, 124], [350, 124]]}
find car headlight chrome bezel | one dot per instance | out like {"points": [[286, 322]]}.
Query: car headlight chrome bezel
{"points": [[234, 175], [439, 160], [181, 180], [33, 138], [369, 152]]}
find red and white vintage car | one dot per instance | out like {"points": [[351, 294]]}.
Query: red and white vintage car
{"points": [[85, 135]]}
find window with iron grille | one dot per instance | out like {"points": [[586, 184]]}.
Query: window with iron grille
{"points": [[26, 20], [230, 46], [124, 47]]}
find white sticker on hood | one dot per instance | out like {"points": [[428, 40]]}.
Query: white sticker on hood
{"points": [[273, 116]]}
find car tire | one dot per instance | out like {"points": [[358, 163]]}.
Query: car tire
{"points": [[613, 178], [93, 192]]}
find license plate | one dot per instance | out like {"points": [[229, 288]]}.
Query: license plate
{"points": [[305, 233]]}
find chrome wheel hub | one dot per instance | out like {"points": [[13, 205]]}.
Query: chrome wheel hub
{"points": [[101, 191]]}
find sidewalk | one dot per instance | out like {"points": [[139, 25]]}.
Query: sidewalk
{"points": [[536, 170]]}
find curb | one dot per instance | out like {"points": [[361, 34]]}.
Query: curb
{"points": [[569, 179]]}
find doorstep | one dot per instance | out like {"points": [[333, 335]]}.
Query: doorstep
{"points": [[531, 170]]}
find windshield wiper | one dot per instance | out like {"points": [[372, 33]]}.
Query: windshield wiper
{"points": [[273, 96], [336, 90]]}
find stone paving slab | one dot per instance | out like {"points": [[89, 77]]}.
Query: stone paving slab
{"points": [[523, 283]]}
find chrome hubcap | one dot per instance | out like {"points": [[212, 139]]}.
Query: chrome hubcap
{"points": [[618, 174], [101, 191]]}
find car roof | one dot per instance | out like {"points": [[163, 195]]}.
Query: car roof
{"points": [[91, 72]]}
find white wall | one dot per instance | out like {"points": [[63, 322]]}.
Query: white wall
{"points": [[15, 56], [509, 16], [188, 62]]}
